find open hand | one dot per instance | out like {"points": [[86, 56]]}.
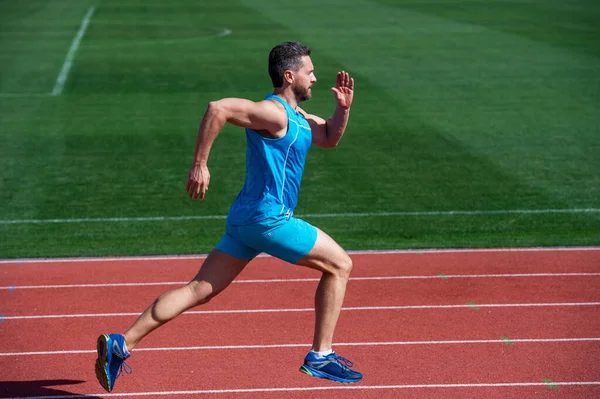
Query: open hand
{"points": [[198, 180], [344, 90]]}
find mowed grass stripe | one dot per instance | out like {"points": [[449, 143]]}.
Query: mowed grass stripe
{"points": [[200, 236], [313, 215], [525, 107]]}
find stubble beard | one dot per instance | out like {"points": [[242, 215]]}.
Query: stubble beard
{"points": [[301, 93]]}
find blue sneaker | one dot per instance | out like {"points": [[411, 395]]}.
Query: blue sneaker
{"points": [[111, 360], [331, 367]]}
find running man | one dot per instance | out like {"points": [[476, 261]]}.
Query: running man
{"points": [[261, 219]]}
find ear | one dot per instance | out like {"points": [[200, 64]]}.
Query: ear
{"points": [[288, 76]]}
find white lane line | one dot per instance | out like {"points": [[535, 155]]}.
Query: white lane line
{"points": [[319, 388], [64, 72], [109, 259], [312, 215], [301, 280], [280, 346], [470, 306], [351, 252]]}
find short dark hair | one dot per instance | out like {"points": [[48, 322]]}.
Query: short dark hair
{"points": [[287, 55]]}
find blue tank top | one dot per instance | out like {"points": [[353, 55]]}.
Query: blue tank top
{"points": [[274, 169]]}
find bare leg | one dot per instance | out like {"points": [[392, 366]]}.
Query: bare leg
{"points": [[216, 273], [328, 257]]}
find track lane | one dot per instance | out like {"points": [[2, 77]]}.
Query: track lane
{"points": [[301, 295], [365, 264], [297, 328], [223, 370]]}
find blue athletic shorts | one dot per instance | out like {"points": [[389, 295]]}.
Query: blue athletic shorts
{"points": [[286, 238]]}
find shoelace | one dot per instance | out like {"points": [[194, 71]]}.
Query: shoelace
{"points": [[345, 363], [124, 368]]}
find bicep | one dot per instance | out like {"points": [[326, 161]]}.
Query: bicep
{"points": [[318, 126], [263, 115]]}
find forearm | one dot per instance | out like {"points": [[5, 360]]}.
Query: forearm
{"points": [[336, 125], [212, 123]]}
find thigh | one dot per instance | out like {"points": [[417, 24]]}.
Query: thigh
{"points": [[219, 270], [326, 255]]}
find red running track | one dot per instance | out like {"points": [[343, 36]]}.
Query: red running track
{"points": [[439, 324]]}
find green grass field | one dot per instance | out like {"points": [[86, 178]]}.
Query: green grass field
{"points": [[490, 108]]}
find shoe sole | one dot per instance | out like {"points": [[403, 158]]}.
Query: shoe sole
{"points": [[319, 374], [101, 362]]}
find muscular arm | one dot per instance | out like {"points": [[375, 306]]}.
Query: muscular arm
{"points": [[263, 115], [268, 116], [328, 133]]}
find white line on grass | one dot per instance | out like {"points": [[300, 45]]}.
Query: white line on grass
{"points": [[225, 32], [64, 72], [157, 41], [340, 387], [301, 310], [299, 280], [311, 215], [280, 346]]}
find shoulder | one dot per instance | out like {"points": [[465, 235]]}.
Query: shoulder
{"points": [[273, 105], [302, 112], [273, 108], [258, 115], [313, 120], [247, 104]]}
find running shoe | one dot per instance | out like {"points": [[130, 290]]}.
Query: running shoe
{"points": [[331, 367], [110, 363]]}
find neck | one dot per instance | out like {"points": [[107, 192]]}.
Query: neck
{"points": [[287, 95]]}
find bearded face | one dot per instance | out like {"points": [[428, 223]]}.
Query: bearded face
{"points": [[304, 78]]}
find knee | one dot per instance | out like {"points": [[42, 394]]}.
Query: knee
{"points": [[343, 267], [202, 292]]}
